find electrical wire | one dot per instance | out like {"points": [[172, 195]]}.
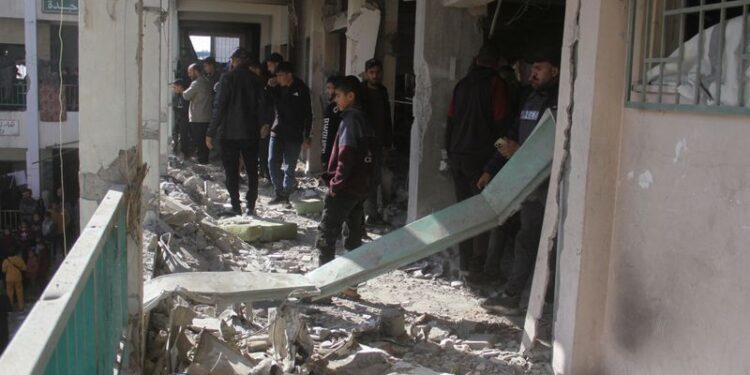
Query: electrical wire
{"points": [[61, 89]]}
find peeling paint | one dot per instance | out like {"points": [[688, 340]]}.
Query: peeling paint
{"points": [[645, 180], [679, 149]]}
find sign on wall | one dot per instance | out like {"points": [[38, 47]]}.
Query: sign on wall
{"points": [[55, 6], [9, 127]]}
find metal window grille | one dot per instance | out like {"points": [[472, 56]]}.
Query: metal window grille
{"points": [[689, 55]]}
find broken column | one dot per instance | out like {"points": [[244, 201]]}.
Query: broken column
{"points": [[441, 58]]}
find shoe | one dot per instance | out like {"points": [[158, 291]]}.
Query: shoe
{"points": [[504, 304], [250, 212], [234, 211], [279, 200], [375, 221]]}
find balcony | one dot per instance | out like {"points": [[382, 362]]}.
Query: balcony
{"points": [[13, 98]]}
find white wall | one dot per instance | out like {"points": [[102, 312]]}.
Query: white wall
{"points": [[279, 14], [49, 132]]}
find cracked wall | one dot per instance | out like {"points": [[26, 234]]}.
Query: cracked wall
{"points": [[440, 59]]}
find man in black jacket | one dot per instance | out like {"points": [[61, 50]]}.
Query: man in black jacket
{"points": [[477, 116], [331, 120], [290, 132], [378, 108], [237, 124], [545, 73]]}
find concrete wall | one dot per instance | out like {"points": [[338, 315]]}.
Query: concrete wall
{"points": [[48, 131], [652, 262], [440, 59], [677, 301]]}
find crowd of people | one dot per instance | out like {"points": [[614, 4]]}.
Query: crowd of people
{"points": [[260, 118], [30, 251]]}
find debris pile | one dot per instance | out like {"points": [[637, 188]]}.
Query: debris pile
{"points": [[411, 321]]}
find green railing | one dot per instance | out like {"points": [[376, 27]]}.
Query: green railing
{"points": [[78, 324]]}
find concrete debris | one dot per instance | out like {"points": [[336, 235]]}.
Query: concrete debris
{"points": [[218, 358], [288, 334], [249, 313]]}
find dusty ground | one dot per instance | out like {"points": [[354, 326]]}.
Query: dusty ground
{"points": [[446, 329]]}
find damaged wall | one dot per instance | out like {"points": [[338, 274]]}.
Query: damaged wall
{"points": [[441, 58], [652, 251]]}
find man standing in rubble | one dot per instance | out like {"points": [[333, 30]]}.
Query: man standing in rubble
{"points": [[477, 116], [545, 73], [270, 65], [237, 125], [201, 103], [378, 108], [290, 132]]}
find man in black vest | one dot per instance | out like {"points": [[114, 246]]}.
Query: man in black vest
{"points": [[544, 79]]}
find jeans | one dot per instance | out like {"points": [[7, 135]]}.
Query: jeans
{"points": [[339, 210], [198, 134], [288, 153], [231, 150]]}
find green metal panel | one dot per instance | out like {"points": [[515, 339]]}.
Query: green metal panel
{"points": [[76, 326], [55, 6], [521, 176]]}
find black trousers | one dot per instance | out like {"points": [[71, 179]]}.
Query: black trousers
{"points": [[500, 253], [466, 173], [198, 132], [339, 210], [527, 246], [263, 157], [231, 150]]}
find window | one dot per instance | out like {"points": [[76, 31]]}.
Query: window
{"points": [[689, 54], [220, 47]]}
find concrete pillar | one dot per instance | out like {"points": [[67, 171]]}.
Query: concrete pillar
{"points": [[316, 80], [390, 29], [153, 98], [440, 59], [31, 116], [361, 35], [591, 106], [111, 125]]}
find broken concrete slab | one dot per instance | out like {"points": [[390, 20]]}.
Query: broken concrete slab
{"points": [[288, 334], [261, 230], [367, 361], [215, 287], [306, 206], [219, 358]]}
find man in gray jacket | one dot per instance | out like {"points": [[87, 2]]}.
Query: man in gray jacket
{"points": [[199, 94]]}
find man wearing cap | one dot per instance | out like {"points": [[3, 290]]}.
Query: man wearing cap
{"points": [[290, 132], [201, 103], [544, 80], [180, 132], [237, 125]]}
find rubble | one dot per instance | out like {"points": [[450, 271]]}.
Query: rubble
{"points": [[410, 321]]}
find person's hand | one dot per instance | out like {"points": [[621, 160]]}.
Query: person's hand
{"points": [[273, 82], [484, 181], [264, 131], [330, 191], [210, 143], [509, 148], [307, 144]]}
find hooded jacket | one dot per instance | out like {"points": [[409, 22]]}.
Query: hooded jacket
{"points": [[293, 112], [477, 115], [351, 164]]}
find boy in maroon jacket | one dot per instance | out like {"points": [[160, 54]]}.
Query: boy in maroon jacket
{"points": [[348, 174]]}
